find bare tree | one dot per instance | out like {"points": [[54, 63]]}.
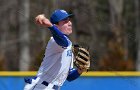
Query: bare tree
{"points": [[116, 8], [137, 13], [24, 34]]}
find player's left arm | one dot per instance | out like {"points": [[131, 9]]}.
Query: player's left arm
{"points": [[74, 74]]}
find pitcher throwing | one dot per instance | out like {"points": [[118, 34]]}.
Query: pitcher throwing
{"points": [[57, 65]]}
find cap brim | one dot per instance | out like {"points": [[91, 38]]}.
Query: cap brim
{"points": [[68, 16], [71, 15]]}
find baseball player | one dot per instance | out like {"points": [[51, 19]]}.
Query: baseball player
{"points": [[57, 65]]}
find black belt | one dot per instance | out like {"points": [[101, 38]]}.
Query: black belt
{"points": [[46, 84]]}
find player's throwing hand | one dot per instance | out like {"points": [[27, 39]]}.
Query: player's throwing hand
{"points": [[42, 20]]}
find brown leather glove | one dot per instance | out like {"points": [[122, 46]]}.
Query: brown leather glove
{"points": [[82, 57]]}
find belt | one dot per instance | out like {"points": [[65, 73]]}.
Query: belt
{"points": [[29, 80], [46, 84]]}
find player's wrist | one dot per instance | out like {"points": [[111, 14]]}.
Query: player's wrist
{"points": [[51, 27], [46, 22]]}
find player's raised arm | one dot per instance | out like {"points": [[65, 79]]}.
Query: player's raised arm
{"points": [[59, 37]]}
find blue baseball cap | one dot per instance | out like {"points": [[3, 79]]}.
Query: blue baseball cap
{"points": [[59, 15]]}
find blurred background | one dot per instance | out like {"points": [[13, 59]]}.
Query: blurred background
{"points": [[110, 28]]}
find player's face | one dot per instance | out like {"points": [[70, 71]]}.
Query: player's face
{"points": [[65, 26]]}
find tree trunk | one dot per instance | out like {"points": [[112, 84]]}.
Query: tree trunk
{"points": [[116, 9], [137, 13], [3, 39], [24, 34]]}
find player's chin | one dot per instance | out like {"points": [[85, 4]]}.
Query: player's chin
{"points": [[68, 33]]}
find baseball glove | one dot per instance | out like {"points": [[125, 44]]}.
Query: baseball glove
{"points": [[82, 57]]}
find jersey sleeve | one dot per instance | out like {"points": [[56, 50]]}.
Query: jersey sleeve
{"points": [[60, 38], [73, 74]]}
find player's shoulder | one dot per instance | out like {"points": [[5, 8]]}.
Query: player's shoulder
{"points": [[51, 40], [52, 43]]}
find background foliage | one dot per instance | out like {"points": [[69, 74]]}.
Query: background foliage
{"points": [[109, 27]]}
